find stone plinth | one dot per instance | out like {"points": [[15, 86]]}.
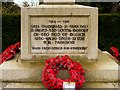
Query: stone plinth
{"points": [[105, 70]]}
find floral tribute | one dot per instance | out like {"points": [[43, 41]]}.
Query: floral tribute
{"points": [[9, 52], [114, 52], [52, 68]]}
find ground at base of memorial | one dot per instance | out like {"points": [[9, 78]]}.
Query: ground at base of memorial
{"points": [[39, 86], [103, 73]]}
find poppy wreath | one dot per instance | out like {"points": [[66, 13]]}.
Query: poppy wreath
{"points": [[52, 68], [115, 53], [9, 52]]}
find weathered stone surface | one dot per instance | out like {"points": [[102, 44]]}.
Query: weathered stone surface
{"points": [[3, 85], [98, 85], [116, 85], [104, 70], [25, 85]]}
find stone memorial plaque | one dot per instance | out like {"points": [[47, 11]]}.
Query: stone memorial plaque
{"points": [[53, 29], [56, 35]]}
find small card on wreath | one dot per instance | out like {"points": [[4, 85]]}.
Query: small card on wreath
{"points": [[68, 85]]}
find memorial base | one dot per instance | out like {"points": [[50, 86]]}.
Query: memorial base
{"points": [[38, 86], [104, 70]]}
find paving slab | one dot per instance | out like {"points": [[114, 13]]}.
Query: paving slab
{"points": [[41, 86], [105, 69]]}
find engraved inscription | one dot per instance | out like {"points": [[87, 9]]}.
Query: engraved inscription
{"points": [[59, 35]]}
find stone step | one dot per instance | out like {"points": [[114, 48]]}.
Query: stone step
{"points": [[103, 70], [36, 86]]}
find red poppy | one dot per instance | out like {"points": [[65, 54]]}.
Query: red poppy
{"points": [[114, 52], [9, 52]]}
